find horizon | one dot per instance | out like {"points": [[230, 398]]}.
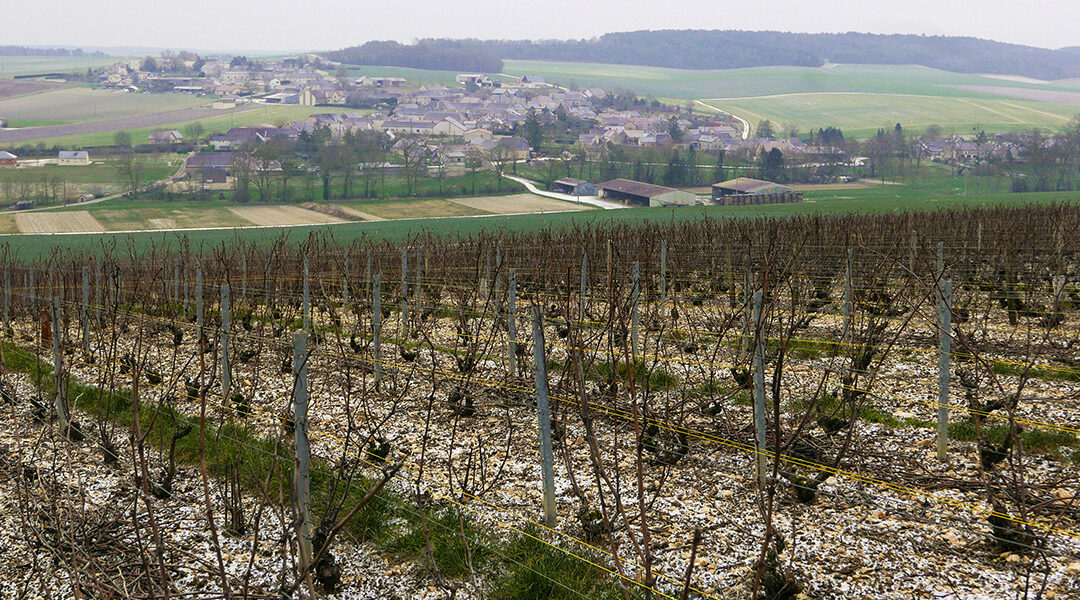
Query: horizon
{"points": [[273, 27]]}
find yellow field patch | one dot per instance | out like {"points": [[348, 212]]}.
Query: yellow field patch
{"points": [[58, 222], [282, 215], [518, 203]]}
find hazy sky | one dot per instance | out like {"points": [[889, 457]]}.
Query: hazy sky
{"points": [[330, 24]]}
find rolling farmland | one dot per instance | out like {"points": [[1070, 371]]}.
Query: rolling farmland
{"points": [[73, 104], [859, 98]]}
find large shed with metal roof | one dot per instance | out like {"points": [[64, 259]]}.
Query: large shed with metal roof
{"points": [[637, 193]]}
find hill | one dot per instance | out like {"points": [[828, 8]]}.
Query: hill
{"points": [[707, 49], [444, 55]]}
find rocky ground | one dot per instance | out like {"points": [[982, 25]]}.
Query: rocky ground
{"points": [[893, 522]]}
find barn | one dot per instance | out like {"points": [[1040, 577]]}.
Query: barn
{"points": [[8, 159], [744, 191], [637, 193], [574, 187]]}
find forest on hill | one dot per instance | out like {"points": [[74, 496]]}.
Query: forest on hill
{"points": [[706, 49], [445, 55], [28, 51]]}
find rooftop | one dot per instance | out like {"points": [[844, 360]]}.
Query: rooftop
{"points": [[747, 185], [637, 188]]}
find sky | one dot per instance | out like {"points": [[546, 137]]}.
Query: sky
{"points": [[292, 25]]}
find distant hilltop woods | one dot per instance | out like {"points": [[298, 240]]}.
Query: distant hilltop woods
{"points": [[704, 49], [27, 51], [443, 55]]}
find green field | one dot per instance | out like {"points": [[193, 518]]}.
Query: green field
{"points": [[930, 192], [271, 114], [856, 98], [103, 177], [73, 103], [861, 114], [20, 65]]}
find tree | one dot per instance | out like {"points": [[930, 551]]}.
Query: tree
{"points": [[194, 131], [473, 165], [149, 64], [500, 157], [123, 139], [132, 173], [675, 173], [772, 165], [718, 170], [791, 130], [764, 129], [414, 160], [673, 129], [533, 131], [1072, 141]]}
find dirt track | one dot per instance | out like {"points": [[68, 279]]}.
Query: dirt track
{"points": [[136, 122], [282, 215], [517, 203], [57, 222]]}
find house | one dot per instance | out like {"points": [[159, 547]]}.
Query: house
{"points": [[744, 191], [161, 136], [475, 135], [198, 163], [637, 193], [574, 187], [8, 159], [449, 126], [69, 158], [380, 82], [477, 79], [514, 147]]}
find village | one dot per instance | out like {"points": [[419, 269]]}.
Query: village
{"points": [[638, 151]]}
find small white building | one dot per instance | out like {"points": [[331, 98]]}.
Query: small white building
{"points": [[73, 158]]}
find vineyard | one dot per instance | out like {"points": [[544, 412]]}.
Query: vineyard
{"points": [[862, 406]]}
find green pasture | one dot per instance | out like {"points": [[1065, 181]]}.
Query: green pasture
{"points": [[22, 65], [760, 81], [271, 114], [932, 192], [860, 114], [72, 104], [857, 98]]}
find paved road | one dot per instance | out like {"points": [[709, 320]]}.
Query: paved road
{"points": [[745, 123], [152, 120], [592, 200]]}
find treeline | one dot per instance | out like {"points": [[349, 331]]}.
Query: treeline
{"points": [[443, 55], [26, 51], [705, 49]]}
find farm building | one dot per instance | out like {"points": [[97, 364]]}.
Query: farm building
{"points": [[70, 158], [744, 191], [574, 187], [199, 162], [637, 193], [8, 159], [215, 175], [163, 136]]}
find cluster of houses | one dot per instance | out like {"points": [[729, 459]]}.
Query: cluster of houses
{"points": [[955, 148], [291, 80]]}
